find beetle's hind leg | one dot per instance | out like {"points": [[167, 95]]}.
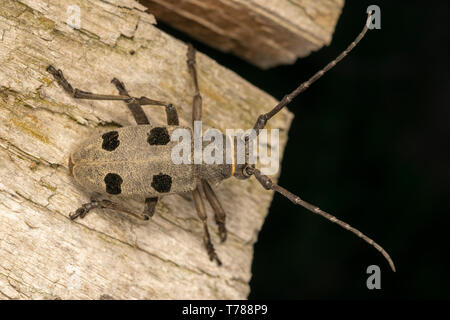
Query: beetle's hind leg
{"points": [[85, 208], [200, 206]]}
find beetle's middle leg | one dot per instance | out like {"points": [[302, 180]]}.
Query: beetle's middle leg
{"points": [[135, 106], [220, 215], [85, 208], [197, 100]]}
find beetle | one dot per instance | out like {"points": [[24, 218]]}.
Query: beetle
{"points": [[102, 163]]}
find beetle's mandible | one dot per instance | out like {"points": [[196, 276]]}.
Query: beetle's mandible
{"points": [[102, 164]]}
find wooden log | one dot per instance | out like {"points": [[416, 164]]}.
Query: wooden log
{"points": [[266, 33], [45, 255]]}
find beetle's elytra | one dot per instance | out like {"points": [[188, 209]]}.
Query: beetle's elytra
{"points": [[137, 157], [135, 161]]}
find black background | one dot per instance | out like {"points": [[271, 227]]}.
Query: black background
{"points": [[369, 143]]}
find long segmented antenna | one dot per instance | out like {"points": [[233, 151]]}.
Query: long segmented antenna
{"points": [[263, 118], [269, 185]]}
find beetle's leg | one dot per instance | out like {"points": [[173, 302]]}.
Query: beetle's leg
{"points": [[136, 109], [197, 101], [80, 94], [85, 208], [132, 102], [219, 213], [150, 204], [197, 116], [200, 206]]}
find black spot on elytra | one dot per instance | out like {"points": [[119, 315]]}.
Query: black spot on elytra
{"points": [[110, 140], [162, 183], [158, 136], [113, 182]]}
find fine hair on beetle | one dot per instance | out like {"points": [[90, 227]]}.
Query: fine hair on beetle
{"points": [[102, 163]]}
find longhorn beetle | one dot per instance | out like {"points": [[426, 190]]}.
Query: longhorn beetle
{"points": [[102, 164]]}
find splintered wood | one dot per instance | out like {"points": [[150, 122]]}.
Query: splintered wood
{"points": [[266, 33]]}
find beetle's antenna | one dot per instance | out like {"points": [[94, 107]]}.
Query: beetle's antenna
{"points": [[263, 118], [269, 185]]}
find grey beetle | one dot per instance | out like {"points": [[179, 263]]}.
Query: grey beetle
{"points": [[101, 164]]}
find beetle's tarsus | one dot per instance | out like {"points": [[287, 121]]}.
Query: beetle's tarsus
{"points": [[222, 232], [59, 77], [79, 213], [201, 212], [82, 211], [120, 86], [150, 205], [74, 215], [212, 252], [219, 213]]}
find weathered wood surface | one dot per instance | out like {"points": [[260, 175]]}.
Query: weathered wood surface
{"points": [[45, 255], [266, 33]]}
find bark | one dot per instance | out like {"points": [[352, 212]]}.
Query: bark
{"points": [[45, 255], [266, 33]]}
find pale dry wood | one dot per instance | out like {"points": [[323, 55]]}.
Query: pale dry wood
{"points": [[266, 33], [45, 255]]}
